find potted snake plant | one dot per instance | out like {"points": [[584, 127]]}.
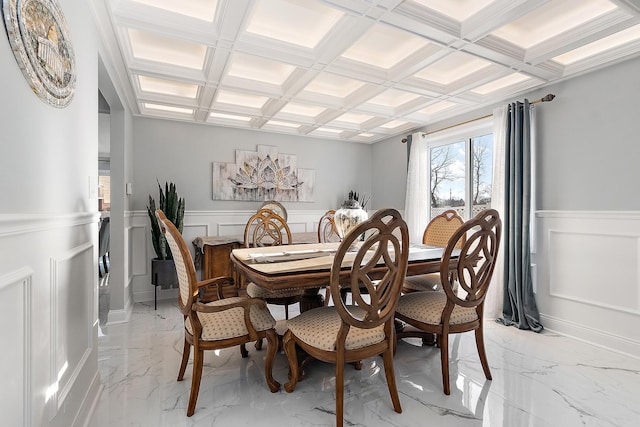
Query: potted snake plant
{"points": [[163, 270]]}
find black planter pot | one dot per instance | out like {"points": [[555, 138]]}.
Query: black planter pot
{"points": [[163, 274]]}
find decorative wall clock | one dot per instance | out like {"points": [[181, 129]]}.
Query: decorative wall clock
{"points": [[41, 44]]}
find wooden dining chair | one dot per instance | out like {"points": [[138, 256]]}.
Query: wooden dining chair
{"points": [[327, 228], [447, 312], [343, 333], [437, 233], [226, 322], [266, 228], [327, 233]]}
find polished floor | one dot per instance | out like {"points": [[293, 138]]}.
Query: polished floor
{"points": [[543, 380]]}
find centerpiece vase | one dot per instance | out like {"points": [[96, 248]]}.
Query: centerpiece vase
{"points": [[348, 217]]}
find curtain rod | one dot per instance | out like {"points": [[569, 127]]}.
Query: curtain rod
{"points": [[547, 98]]}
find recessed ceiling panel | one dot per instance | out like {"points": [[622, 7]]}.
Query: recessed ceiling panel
{"points": [[302, 109], [199, 9], [383, 46], [355, 118], [158, 48], [168, 87], [299, 22], [437, 107], [394, 124], [167, 108], [452, 67], [500, 83], [214, 115], [456, 9], [393, 98], [260, 69], [333, 85], [241, 99], [599, 46], [552, 19], [283, 124]]}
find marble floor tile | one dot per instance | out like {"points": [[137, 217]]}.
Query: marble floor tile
{"points": [[544, 380]]}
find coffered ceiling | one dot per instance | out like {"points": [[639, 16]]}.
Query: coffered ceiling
{"points": [[355, 70]]}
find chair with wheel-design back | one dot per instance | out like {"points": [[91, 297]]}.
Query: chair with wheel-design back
{"points": [[327, 228], [327, 233], [229, 321], [343, 333], [266, 228], [448, 312], [437, 233]]}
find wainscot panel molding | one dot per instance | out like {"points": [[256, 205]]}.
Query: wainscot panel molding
{"points": [[72, 309], [15, 324], [52, 306], [13, 224], [588, 276], [196, 223]]}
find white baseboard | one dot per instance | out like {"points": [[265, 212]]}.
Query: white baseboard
{"points": [[120, 316], [148, 295], [598, 338], [89, 403]]}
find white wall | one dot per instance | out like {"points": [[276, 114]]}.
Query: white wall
{"points": [[48, 241], [586, 263]]}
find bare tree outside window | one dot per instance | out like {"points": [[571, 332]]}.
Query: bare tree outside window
{"points": [[482, 152], [442, 161], [458, 182]]}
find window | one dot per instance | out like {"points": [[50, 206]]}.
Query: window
{"points": [[461, 163]]}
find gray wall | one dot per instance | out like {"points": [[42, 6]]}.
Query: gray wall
{"points": [[588, 146], [120, 133], [588, 142], [184, 153], [389, 182]]}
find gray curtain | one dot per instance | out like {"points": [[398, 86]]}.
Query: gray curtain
{"points": [[519, 305]]}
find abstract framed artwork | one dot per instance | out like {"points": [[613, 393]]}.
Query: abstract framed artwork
{"points": [[264, 174], [42, 47]]}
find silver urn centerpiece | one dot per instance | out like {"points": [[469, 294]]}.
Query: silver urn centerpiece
{"points": [[350, 214]]}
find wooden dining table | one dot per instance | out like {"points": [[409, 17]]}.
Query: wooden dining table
{"points": [[308, 266]]}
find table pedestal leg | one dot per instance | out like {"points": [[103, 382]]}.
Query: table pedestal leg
{"points": [[311, 299]]}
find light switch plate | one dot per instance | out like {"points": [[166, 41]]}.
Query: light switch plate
{"points": [[93, 187]]}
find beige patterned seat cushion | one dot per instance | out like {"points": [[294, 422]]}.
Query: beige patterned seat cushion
{"points": [[230, 323], [255, 291], [423, 282], [319, 328], [426, 307]]}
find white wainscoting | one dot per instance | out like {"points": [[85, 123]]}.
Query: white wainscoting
{"points": [[48, 309], [15, 369], [197, 223], [588, 276], [72, 306]]}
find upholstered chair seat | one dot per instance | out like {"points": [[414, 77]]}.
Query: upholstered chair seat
{"points": [[422, 282], [255, 291], [319, 328], [427, 307], [230, 323]]}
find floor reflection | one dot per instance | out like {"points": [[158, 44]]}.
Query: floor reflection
{"points": [[538, 380]]}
